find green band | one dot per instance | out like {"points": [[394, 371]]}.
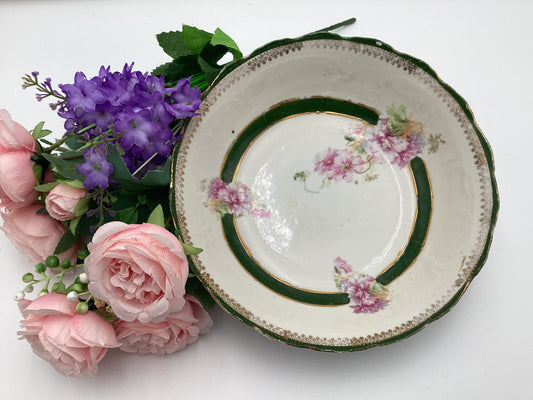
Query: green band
{"points": [[320, 105]]}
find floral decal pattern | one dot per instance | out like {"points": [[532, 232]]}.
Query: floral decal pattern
{"points": [[365, 293], [395, 140], [233, 198]]}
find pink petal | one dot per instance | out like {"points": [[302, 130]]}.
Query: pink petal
{"points": [[93, 330]]}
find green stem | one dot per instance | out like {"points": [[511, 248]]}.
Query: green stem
{"points": [[337, 26], [58, 143]]}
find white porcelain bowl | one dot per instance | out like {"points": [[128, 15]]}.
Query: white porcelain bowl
{"points": [[342, 193]]}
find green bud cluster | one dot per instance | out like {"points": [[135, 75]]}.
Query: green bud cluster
{"points": [[53, 281]]}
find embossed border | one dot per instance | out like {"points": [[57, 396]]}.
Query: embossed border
{"points": [[456, 105]]}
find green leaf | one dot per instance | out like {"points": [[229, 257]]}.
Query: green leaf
{"points": [[203, 296], [190, 250], [38, 132], [151, 179], [161, 70], [74, 225], [37, 172], [74, 142], [195, 38], [81, 207], [127, 215], [75, 183], [221, 38], [46, 187], [182, 67], [66, 242], [173, 44], [63, 167], [213, 54], [210, 72], [157, 217]]}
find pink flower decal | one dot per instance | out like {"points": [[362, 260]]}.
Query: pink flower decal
{"points": [[139, 270], [395, 140], [385, 147], [174, 333], [325, 161], [233, 198], [72, 343], [365, 293]]}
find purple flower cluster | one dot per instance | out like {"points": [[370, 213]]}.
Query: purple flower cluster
{"points": [[130, 110]]}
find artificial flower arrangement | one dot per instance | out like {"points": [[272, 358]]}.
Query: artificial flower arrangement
{"points": [[91, 209]]}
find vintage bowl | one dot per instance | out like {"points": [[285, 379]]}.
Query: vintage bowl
{"points": [[342, 193]]}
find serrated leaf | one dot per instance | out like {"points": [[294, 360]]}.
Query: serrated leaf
{"points": [[66, 242], [173, 44], [161, 70], [157, 217], [81, 207], [221, 38], [191, 250], [46, 187], [63, 167], [195, 38]]}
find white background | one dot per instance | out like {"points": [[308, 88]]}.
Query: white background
{"points": [[482, 349]]}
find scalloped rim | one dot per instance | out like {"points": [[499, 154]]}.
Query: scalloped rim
{"points": [[488, 158]]}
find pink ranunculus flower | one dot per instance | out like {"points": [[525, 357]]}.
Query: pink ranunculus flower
{"points": [[174, 333], [17, 179], [62, 200], [139, 270], [35, 235], [72, 343]]}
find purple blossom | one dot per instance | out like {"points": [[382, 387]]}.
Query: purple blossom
{"points": [[96, 170], [134, 106]]}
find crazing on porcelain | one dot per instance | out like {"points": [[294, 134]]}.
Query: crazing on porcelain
{"points": [[233, 198], [395, 140], [365, 293]]}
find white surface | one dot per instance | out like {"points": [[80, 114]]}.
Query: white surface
{"points": [[481, 349]]}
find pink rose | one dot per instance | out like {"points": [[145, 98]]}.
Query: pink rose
{"points": [[139, 270], [174, 333], [17, 179], [72, 343], [62, 200], [35, 235]]}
